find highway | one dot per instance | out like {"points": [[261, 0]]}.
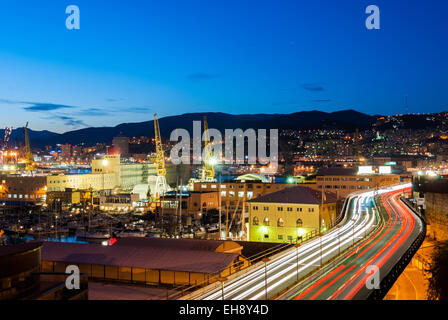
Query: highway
{"points": [[365, 236], [347, 279]]}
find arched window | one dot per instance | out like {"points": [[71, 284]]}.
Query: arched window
{"points": [[299, 223], [280, 222], [255, 221], [266, 221]]}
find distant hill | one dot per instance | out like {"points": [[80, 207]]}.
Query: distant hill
{"points": [[347, 119]]}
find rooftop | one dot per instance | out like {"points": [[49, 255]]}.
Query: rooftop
{"points": [[299, 194], [151, 253], [337, 171], [19, 248]]}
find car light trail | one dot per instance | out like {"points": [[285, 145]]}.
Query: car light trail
{"points": [[362, 221]]}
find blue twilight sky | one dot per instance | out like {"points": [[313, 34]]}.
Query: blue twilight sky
{"points": [[133, 58]]}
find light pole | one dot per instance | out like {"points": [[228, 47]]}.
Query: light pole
{"points": [[297, 255], [266, 260], [320, 239], [222, 280], [339, 240], [353, 234]]}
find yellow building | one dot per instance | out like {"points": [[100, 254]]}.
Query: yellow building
{"points": [[291, 214]]}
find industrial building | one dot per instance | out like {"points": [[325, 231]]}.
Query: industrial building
{"points": [[235, 193], [291, 214], [343, 181], [194, 204], [109, 173], [22, 190], [151, 261]]}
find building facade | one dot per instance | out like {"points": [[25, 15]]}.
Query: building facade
{"points": [[343, 181], [292, 214], [21, 190]]}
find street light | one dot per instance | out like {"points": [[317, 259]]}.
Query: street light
{"points": [[222, 280], [266, 260], [339, 239], [297, 255], [320, 239]]}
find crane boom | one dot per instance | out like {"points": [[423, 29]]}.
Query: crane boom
{"points": [[160, 186], [29, 166], [209, 170], [161, 170], [6, 137]]}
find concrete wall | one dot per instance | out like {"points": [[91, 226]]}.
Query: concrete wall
{"points": [[437, 214]]}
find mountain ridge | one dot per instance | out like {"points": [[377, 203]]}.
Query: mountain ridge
{"points": [[344, 119]]}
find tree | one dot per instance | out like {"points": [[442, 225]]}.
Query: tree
{"points": [[438, 281]]}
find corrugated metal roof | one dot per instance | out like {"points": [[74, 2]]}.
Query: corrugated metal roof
{"points": [[163, 255]]}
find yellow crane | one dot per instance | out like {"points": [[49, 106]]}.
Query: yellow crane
{"points": [[208, 168], [160, 186], [29, 166], [160, 154]]}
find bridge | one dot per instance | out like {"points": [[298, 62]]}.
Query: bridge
{"points": [[375, 240]]}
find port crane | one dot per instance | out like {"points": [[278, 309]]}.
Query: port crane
{"points": [[6, 137], [29, 166], [7, 157], [160, 186], [208, 170]]}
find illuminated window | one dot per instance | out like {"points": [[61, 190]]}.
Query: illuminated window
{"points": [[266, 221], [299, 223], [280, 222], [255, 221]]}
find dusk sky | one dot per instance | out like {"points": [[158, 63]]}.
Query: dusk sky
{"points": [[133, 58]]}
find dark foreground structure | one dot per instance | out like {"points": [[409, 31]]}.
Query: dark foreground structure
{"points": [[21, 279]]}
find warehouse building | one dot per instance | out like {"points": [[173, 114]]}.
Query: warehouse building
{"points": [[151, 261]]}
